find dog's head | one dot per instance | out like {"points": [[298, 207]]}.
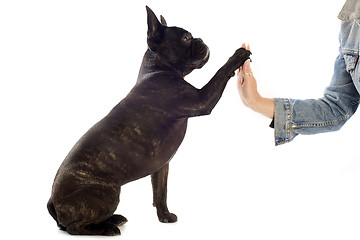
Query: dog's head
{"points": [[175, 46]]}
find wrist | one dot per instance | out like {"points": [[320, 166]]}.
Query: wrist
{"points": [[264, 106], [255, 102]]}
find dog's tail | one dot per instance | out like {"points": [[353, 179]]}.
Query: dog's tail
{"points": [[51, 209]]}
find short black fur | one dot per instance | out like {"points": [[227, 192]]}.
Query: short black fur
{"points": [[139, 136]]}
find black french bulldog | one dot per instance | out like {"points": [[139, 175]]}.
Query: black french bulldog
{"points": [[140, 135]]}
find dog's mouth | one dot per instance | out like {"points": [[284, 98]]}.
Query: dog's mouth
{"points": [[200, 52], [202, 62]]}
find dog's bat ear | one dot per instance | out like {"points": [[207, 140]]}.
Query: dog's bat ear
{"points": [[163, 21], [155, 28]]}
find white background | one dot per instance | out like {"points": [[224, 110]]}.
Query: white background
{"points": [[65, 64]]}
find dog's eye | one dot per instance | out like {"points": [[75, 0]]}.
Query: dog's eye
{"points": [[187, 37]]}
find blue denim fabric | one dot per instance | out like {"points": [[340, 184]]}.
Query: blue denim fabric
{"points": [[340, 101]]}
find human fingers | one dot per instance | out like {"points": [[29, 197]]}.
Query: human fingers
{"points": [[246, 69], [246, 46]]}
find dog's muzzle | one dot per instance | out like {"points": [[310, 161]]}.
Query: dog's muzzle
{"points": [[200, 53]]}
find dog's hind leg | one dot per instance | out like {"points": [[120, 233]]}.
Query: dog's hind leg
{"points": [[106, 228], [117, 220], [51, 209], [89, 211], [103, 228], [159, 184]]}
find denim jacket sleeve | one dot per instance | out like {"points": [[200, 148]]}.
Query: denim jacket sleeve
{"points": [[340, 101]]}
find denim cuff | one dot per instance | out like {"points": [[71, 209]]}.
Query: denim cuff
{"points": [[283, 121]]}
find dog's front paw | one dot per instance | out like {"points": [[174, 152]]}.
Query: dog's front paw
{"points": [[167, 217], [237, 60]]}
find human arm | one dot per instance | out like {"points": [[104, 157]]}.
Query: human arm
{"points": [[292, 116]]}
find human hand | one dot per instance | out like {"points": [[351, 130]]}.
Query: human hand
{"points": [[236, 60], [249, 95], [246, 83]]}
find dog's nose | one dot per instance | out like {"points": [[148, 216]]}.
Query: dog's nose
{"points": [[199, 40]]}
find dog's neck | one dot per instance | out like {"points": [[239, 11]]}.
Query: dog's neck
{"points": [[151, 61]]}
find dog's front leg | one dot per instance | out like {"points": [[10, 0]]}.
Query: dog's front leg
{"points": [[212, 91], [159, 184], [196, 102]]}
